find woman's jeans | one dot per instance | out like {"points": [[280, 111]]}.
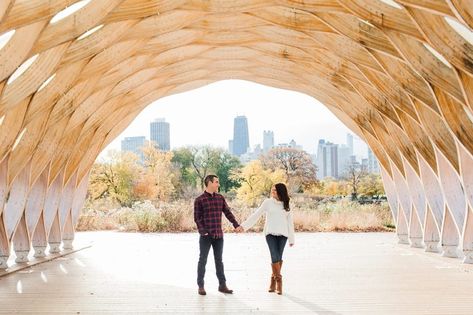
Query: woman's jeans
{"points": [[276, 246]]}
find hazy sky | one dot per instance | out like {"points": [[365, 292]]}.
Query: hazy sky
{"points": [[205, 116]]}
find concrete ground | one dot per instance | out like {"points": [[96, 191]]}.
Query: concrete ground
{"points": [[324, 273]]}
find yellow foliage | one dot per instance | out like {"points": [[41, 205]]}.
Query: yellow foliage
{"points": [[257, 181]]}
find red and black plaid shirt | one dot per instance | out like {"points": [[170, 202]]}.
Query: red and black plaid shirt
{"points": [[208, 210]]}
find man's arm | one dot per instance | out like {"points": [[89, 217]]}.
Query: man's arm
{"points": [[199, 217], [229, 214]]}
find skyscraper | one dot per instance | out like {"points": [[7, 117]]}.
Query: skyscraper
{"points": [[159, 134], [343, 159], [268, 140], [327, 159], [134, 144], [241, 141]]}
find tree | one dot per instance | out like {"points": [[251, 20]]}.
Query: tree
{"points": [[297, 166], [182, 161], [158, 173], [353, 174], [256, 181], [114, 177], [195, 163], [224, 168], [371, 185]]}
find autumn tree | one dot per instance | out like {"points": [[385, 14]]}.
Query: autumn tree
{"points": [[371, 185], [354, 173], [114, 177], [256, 181], [296, 164], [157, 174]]}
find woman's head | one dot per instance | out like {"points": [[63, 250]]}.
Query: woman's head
{"points": [[279, 191]]}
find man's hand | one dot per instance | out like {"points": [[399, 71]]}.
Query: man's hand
{"points": [[239, 229], [290, 245]]}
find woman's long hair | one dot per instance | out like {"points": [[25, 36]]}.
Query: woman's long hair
{"points": [[283, 195]]}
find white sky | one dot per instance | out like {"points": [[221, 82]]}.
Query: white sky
{"points": [[205, 116]]}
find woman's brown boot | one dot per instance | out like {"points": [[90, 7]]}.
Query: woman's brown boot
{"points": [[272, 285], [278, 278]]}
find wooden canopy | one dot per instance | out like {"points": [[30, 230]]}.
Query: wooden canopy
{"points": [[399, 74]]}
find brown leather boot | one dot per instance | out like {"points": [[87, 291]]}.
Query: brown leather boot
{"points": [[272, 285], [278, 278], [224, 289], [202, 291]]}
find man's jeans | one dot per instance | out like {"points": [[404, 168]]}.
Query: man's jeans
{"points": [[205, 242], [276, 246]]}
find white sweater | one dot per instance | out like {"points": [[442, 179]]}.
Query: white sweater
{"points": [[278, 221]]}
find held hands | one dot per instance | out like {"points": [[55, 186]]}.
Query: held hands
{"points": [[239, 229]]}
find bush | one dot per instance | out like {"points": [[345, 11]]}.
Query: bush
{"points": [[310, 215]]}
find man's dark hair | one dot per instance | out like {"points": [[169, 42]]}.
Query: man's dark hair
{"points": [[209, 178]]}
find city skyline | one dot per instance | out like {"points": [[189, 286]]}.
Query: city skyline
{"points": [[199, 118]]}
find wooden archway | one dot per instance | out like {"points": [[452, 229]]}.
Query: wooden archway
{"points": [[399, 74]]}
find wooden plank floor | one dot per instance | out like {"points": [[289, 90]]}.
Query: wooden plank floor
{"points": [[325, 273]]}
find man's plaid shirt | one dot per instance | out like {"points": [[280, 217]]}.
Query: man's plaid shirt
{"points": [[208, 210]]}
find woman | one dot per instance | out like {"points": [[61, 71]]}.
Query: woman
{"points": [[278, 228]]}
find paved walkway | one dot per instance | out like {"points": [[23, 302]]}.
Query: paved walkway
{"points": [[325, 273]]}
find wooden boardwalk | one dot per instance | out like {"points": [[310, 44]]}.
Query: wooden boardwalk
{"points": [[325, 273]]}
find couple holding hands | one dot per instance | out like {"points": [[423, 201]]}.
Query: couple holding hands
{"points": [[278, 229]]}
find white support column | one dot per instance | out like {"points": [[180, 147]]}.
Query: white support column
{"points": [[466, 170], [436, 206], [39, 239], [50, 214], [4, 243], [456, 205], [34, 210], [65, 215], [21, 241], [390, 189], [419, 206], [405, 202], [14, 212], [16, 202]]}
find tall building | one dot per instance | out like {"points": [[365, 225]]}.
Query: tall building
{"points": [[159, 134], [241, 141], [350, 142], [343, 159], [327, 159], [268, 140], [134, 144], [373, 165]]}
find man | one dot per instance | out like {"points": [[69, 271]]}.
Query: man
{"points": [[208, 209]]}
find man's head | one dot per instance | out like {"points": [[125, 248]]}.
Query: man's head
{"points": [[211, 183]]}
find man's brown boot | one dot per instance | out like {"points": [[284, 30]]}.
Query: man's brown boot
{"points": [[272, 285], [278, 278], [223, 288], [202, 291]]}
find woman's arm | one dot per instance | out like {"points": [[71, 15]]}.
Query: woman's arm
{"points": [[252, 219], [290, 222]]}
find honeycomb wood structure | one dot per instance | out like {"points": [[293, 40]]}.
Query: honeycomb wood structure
{"points": [[398, 74]]}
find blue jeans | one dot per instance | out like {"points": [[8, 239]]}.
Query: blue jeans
{"points": [[276, 246], [205, 242]]}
